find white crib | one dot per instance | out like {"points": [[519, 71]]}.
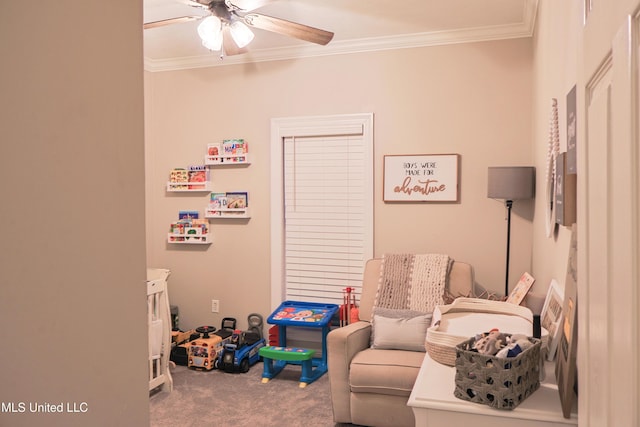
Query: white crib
{"points": [[159, 323]]}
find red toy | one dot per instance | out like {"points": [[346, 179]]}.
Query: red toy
{"points": [[349, 312]]}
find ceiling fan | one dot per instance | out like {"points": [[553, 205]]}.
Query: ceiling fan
{"points": [[227, 30]]}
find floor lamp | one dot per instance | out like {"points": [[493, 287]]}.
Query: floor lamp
{"points": [[510, 183]]}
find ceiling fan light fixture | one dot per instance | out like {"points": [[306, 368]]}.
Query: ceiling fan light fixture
{"points": [[210, 32], [241, 34]]}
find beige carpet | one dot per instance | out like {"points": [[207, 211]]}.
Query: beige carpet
{"points": [[216, 398]]}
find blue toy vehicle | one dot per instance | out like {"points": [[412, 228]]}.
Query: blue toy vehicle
{"points": [[241, 353]]}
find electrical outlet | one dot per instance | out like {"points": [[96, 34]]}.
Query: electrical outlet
{"points": [[215, 306]]}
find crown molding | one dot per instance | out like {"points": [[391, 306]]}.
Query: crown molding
{"points": [[469, 35]]}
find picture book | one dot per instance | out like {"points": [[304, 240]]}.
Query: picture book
{"points": [[179, 175], [190, 226], [217, 199], [188, 215], [234, 147], [214, 149], [521, 289], [237, 200], [197, 174], [551, 317]]}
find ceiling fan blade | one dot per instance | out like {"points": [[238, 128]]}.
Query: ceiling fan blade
{"points": [[245, 5], [170, 21], [229, 47], [195, 3], [202, 2], [288, 28], [249, 5]]}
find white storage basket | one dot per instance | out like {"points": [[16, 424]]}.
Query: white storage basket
{"points": [[454, 323]]}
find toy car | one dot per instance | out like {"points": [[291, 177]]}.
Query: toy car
{"points": [[241, 353], [180, 346], [203, 351]]}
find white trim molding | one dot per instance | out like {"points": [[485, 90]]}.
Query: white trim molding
{"points": [[522, 29], [307, 126]]}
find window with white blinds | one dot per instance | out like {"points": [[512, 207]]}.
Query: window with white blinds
{"points": [[327, 212]]}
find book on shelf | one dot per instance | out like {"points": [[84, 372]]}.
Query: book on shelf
{"points": [[188, 215], [214, 149], [229, 151], [227, 204], [234, 147], [177, 177], [218, 200], [198, 174], [189, 226], [237, 200]]}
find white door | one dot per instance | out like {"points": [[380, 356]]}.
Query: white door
{"points": [[608, 240]]}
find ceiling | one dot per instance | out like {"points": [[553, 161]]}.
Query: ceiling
{"points": [[359, 26]]}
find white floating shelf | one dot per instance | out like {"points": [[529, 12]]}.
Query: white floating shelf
{"points": [[178, 187], [227, 160], [190, 239], [226, 213]]}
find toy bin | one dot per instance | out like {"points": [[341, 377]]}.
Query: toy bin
{"points": [[502, 383]]}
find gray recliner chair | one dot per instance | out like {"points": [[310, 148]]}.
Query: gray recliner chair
{"points": [[369, 386]]}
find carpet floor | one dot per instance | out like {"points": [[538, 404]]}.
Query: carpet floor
{"points": [[217, 398]]}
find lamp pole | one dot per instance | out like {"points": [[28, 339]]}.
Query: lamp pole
{"points": [[508, 204], [509, 183]]}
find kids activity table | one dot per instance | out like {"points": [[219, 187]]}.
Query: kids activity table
{"points": [[298, 314]]}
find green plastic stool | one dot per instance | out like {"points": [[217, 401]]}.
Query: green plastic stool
{"points": [[284, 356]]}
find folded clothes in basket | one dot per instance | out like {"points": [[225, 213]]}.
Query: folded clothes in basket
{"points": [[496, 343]]}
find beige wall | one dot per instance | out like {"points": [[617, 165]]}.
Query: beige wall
{"points": [[471, 99], [72, 269], [555, 72], [560, 62]]}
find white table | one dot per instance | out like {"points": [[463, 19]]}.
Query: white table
{"points": [[434, 404]]}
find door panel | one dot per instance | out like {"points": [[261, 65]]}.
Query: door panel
{"points": [[608, 240], [595, 281]]}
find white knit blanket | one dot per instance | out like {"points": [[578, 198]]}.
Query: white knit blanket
{"points": [[412, 281]]}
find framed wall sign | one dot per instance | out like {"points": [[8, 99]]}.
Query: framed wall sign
{"points": [[421, 178], [566, 370], [572, 114], [565, 193]]}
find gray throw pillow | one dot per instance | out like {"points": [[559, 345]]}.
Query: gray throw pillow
{"points": [[399, 329]]}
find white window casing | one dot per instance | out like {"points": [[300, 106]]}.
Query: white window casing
{"points": [[322, 206]]}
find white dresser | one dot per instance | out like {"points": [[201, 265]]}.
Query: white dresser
{"points": [[434, 404]]}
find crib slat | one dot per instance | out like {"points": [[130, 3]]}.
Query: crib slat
{"points": [[158, 309]]}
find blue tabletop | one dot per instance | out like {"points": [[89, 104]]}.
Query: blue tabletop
{"points": [[299, 313]]}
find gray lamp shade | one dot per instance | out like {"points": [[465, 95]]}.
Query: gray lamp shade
{"points": [[511, 182]]}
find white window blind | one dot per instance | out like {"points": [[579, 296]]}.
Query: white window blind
{"points": [[327, 215]]}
